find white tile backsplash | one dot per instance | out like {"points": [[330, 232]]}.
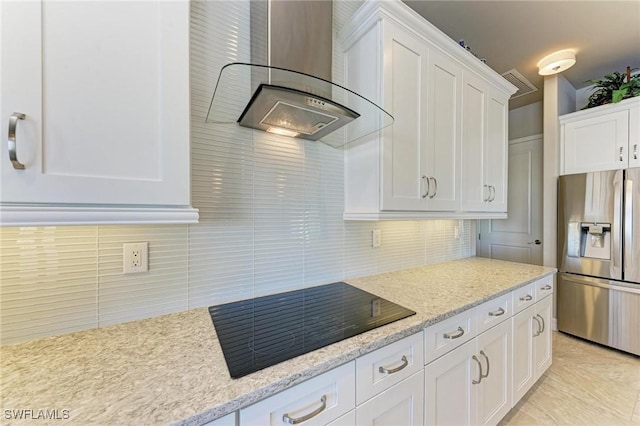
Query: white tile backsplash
{"points": [[270, 221]]}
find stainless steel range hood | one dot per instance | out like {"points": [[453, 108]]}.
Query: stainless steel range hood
{"points": [[287, 89]]}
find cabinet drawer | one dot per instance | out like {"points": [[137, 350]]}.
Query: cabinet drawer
{"points": [[444, 336], [544, 287], [524, 297], [387, 366], [494, 311], [321, 400]]}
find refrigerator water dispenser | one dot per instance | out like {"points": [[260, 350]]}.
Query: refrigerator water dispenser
{"points": [[595, 240]]}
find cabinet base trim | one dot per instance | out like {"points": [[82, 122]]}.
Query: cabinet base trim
{"points": [[422, 215], [47, 215]]}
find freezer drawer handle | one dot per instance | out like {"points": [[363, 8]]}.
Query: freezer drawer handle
{"points": [[497, 313], [451, 335], [385, 370], [13, 156], [480, 375], [297, 420], [526, 298]]}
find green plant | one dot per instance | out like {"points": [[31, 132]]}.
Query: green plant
{"points": [[613, 88]]}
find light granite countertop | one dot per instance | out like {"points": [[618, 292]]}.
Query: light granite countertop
{"points": [[170, 369]]}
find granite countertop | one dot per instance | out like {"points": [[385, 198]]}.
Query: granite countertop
{"points": [[170, 369]]}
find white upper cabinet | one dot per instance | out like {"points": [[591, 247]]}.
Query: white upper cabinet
{"points": [[104, 89], [412, 169], [484, 146], [601, 138]]}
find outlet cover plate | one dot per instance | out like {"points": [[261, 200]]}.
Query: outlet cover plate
{"points": [[135, 257]]}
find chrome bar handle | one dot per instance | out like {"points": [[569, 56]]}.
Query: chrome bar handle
{"points": [[426, 179], [537, 333], [13, 155], [621, 157], [435, 185], [480, 376], [454, 334], [486, 358], [541, 319], [385, 370], [635, 151], [526, 298], [497, 313], [297, 420]]}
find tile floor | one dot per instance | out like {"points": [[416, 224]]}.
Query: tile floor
{"points": [[587, 384]]}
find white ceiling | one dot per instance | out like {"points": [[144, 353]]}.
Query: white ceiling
{"points": [[604, 34]]}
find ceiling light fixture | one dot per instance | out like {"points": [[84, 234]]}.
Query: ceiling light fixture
{"points": [[556, 62]]}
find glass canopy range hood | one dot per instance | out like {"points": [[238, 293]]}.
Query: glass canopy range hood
{"points": [[292, 103]]}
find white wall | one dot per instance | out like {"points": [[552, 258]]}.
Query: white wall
{"points": [[525, 121], [270, 220]]}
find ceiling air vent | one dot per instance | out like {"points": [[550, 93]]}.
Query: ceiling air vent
{"points": [[524, 86]]}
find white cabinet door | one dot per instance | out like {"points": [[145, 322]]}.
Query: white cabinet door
{"points": [[523, 352], [494, 394], [543, 338], [474, 192], [496, 151], [484, 147], [634, 136], [400, 405], [450, 395], [104, 87], [596, 143], [405, 85], [441, 156]]}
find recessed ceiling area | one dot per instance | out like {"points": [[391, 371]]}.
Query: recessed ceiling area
{"points": [[516, 34]]}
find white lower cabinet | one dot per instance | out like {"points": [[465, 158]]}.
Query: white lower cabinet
{"points": [[531, 346], [471, 384], [400, 405], [318, 401]]}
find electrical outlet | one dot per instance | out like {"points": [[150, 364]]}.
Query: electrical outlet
{"points": [[376, 238], [135, 258]]}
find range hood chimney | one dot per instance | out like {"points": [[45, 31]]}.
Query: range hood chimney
{"points": [[287, 88]]}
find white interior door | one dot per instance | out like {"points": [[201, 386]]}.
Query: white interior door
{"points": [[519, 237]]}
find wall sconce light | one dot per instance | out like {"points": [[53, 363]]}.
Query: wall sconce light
{"points": [[556, 62]]}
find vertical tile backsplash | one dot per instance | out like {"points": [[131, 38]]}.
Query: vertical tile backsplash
{"points": [[270, 221]]}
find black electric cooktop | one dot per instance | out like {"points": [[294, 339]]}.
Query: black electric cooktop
{"points": [[257, 333]]}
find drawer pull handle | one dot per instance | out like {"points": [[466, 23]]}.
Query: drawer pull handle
{"points": [[541, 319], [297, 420], [546, 287], [487, 358], [480, 376], [426, 180], [385, 370], [526, 298], [458, 333], [539, 331], [11, 141], [497, 313]]}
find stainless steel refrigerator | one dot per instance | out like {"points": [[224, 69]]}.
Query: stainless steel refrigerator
{"points": [[599, 257]]}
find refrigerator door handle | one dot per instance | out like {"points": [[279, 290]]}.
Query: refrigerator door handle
{"points": [[630, 249], [616, 229]]}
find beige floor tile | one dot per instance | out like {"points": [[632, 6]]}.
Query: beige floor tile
{"points": [[587, 384]]}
